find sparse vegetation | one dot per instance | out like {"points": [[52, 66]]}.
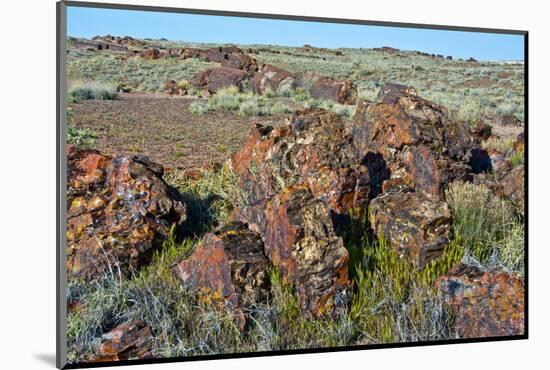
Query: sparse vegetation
{"points": [[91, 90]]}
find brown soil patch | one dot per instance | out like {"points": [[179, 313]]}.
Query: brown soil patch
{"points": [[479, 83], [162, 128]]}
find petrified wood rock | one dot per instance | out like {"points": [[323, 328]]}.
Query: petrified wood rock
{"points": [[422, 148], [300, 242], [481, 131], [484, 303], [512, 186], [119, 210], [272, 78], [313, 149], [240, 60], [327, 88], [153, 53], [416, 225], [214, 79], [391, 92], [228, 267], [130, 340]]}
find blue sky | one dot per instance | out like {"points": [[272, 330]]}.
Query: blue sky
{"points": [[88, 22]]}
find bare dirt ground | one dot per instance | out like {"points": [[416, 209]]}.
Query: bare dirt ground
{"points": [[162, 128]]}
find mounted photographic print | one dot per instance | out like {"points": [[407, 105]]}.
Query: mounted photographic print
{"points": [[234, 184]]}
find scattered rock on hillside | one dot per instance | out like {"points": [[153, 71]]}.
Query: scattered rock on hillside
{"points": [[240, 60], [519, 144], [300, 242], [271, 78], [327, 88], [214, 79], [152, 53], [484, 303], [128, 341], [228, 268], [119, 211], [416, 225]]}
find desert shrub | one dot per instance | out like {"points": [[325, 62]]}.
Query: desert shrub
{"points": [[517, 158], [503, 145], [300, 95], [254, 106], [486, 225], [91, 90], [280, 108], [80, 136], [183, 84], [198, 108]]}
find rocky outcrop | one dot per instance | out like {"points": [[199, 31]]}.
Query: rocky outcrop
{"points": [[239, 60], [128, 341], [228, 268], [214, 79], [392, 91], [484, 303], [118, 211], [417, 226]]}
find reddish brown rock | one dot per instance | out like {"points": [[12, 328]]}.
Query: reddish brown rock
{"points": [[240, 60], [481, 131], [422, 149], [391, 92], [272, 78], [172, 88], [119, 211], [327, 88], [128, 341], [214, 79], [513, 186], [153, 53], [484, 303], [416, 225], [300, 242], [228, 268], [314, 150]]}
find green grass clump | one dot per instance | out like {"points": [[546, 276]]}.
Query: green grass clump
{"points": [[487, 225], [80, 136], [198, 108], [211, 198], [91, 90]]}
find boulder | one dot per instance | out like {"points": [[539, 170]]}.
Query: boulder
{"points": [[228, 268], [484, 303], [240, 60], [172, 88], [417, 226], [327, 88], [214, 79], [272, 78], [153, 53], [312, 149], [118, 211], [512, 186], [301, 244], [128, 341], [519, 144], [422, 149]]}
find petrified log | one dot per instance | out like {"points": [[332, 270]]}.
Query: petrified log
{"points": [[327, 88], [240, 60], [417, 226], [130, 340], [272, 78], [153, 53], [423, 150], [228, 268], [214, 79], [391, 92], [484, 303], [300, 242], [119, 211]]}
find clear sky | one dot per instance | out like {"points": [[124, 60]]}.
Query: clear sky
{"points": [[88, 22]]}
